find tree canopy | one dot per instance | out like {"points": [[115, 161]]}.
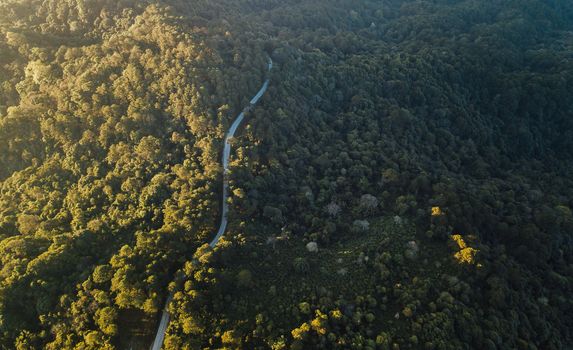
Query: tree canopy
{"points": [[421, 149]]}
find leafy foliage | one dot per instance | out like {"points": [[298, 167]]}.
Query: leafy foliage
{"points": [[424, 146]]}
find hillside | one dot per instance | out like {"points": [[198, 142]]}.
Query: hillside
{"points": [[404, 183]]}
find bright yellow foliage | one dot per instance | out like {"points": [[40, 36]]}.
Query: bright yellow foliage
{"points": [[437, 211], [336, 314], [229, 337], [460, 241], [299, 333], [319, 323], [466, 255]]}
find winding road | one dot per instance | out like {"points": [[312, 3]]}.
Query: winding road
{"points": [[158, 342]]}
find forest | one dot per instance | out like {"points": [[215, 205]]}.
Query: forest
{"points": [[406, 182]]}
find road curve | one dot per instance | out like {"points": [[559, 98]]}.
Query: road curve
{"points": [[158, 342]]}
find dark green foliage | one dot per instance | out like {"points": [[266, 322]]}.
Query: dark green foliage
{"points": [[388, 127]]}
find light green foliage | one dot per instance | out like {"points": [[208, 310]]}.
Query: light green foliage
{"points": [[111, 116]]}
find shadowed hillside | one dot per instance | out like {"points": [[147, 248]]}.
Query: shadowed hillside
{"points": [[404, 183]]}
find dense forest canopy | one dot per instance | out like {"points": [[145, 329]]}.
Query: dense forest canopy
{"points": [[405, 183]]}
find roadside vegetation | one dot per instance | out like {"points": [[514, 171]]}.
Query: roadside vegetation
{"points": [[405, 182]]}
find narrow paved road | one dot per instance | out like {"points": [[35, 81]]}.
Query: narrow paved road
{"points": [[158, 342]]}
